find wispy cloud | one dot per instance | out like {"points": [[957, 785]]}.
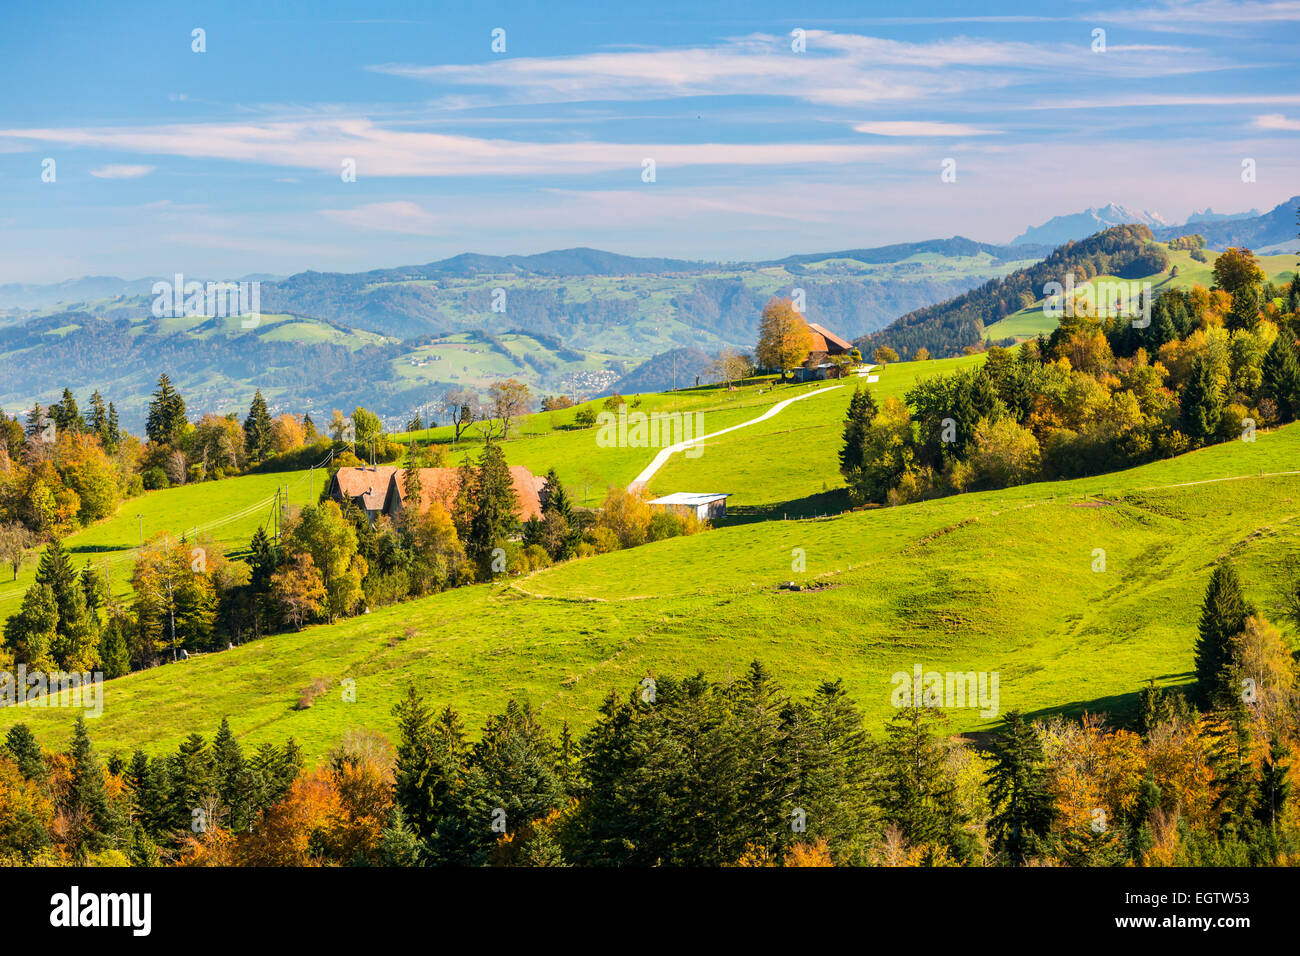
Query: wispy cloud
{"points": [[922, 128], [834, 69], [324, 144], [403, 217], [121, 172]]}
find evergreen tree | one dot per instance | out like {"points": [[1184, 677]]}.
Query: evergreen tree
{"points": [[97, 420], [228, 767], [1274, 783], [94, 588], [112, 435], [427, 771], [1281, 377], [66, 415], [494, 517], [509, 784], [26, 753], [554, 498], [916, 792], [1022, 805], [1201, 403], [768, 776], [1223, 617], [88, 806], [412, 486], [148, 793], [257, 429], [834, 762], [165, 423], [567, 760], [35, 421], [114, 648], [398, 843], [862, 409], [263, 561], [193, 783]]}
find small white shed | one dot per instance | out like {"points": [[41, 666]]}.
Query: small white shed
{"points": [[705, 506]]}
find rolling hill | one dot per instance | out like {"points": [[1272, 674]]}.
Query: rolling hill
{"points": [[573, 321], [953, 584], [1011, 307]]}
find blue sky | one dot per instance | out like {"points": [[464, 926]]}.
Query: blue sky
{"points": [[228, 162]]}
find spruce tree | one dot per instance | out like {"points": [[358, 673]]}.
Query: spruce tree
{"points": [[398, 843], [862, 409], [1274, 783], [768, 777], [411, 483], [555, 498], [26, 753], [228, 768], [67, 417], [418, 784], [835, 766], [165, 422], [1201, 403], [193, 781], [1022, 806], [113, 435], [92, 820], [1223, 617], [1281, 377], [257, 429], [494, 517], [916, 791], [97, 421], [114, 649], [509, 782], [147, 793]]}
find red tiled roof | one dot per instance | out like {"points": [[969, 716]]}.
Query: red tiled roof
{"points": [[442, 484], [367, 486], [828, 338]]}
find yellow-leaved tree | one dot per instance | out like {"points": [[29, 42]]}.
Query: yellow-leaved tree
{"points": [[784, 339]]}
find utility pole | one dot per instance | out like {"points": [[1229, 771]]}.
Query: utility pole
{"points": [[140, 518]]}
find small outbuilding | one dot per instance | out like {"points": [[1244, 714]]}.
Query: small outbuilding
{"points": [[705, 506]]}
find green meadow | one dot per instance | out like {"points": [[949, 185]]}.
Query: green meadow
{"points": [[1032, 321], [226, 512], [1076, 593]]}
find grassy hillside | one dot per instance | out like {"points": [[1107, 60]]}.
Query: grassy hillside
{"points": [[1029, 322], [998, 581], [551, 440], [227, 511], [789, 464]]}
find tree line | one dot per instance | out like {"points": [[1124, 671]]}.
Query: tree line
{"points": [[1098, 394], [693, 771]]}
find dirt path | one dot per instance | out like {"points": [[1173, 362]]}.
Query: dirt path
{"points": [[660, 459]]}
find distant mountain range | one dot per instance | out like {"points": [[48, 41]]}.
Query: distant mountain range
{"points": [[579, 321], [576, 321], [1251, 228], [1061, 229]]}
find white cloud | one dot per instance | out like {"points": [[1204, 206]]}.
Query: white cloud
{"points": [[121, 172], [323, 144], [836, 69], [1276, 121], [404, 217], [922, 128]]}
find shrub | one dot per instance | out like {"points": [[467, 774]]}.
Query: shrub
{"points": [[151, 479]]}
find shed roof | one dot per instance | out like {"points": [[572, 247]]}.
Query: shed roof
{"points": [[689, 498]]}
